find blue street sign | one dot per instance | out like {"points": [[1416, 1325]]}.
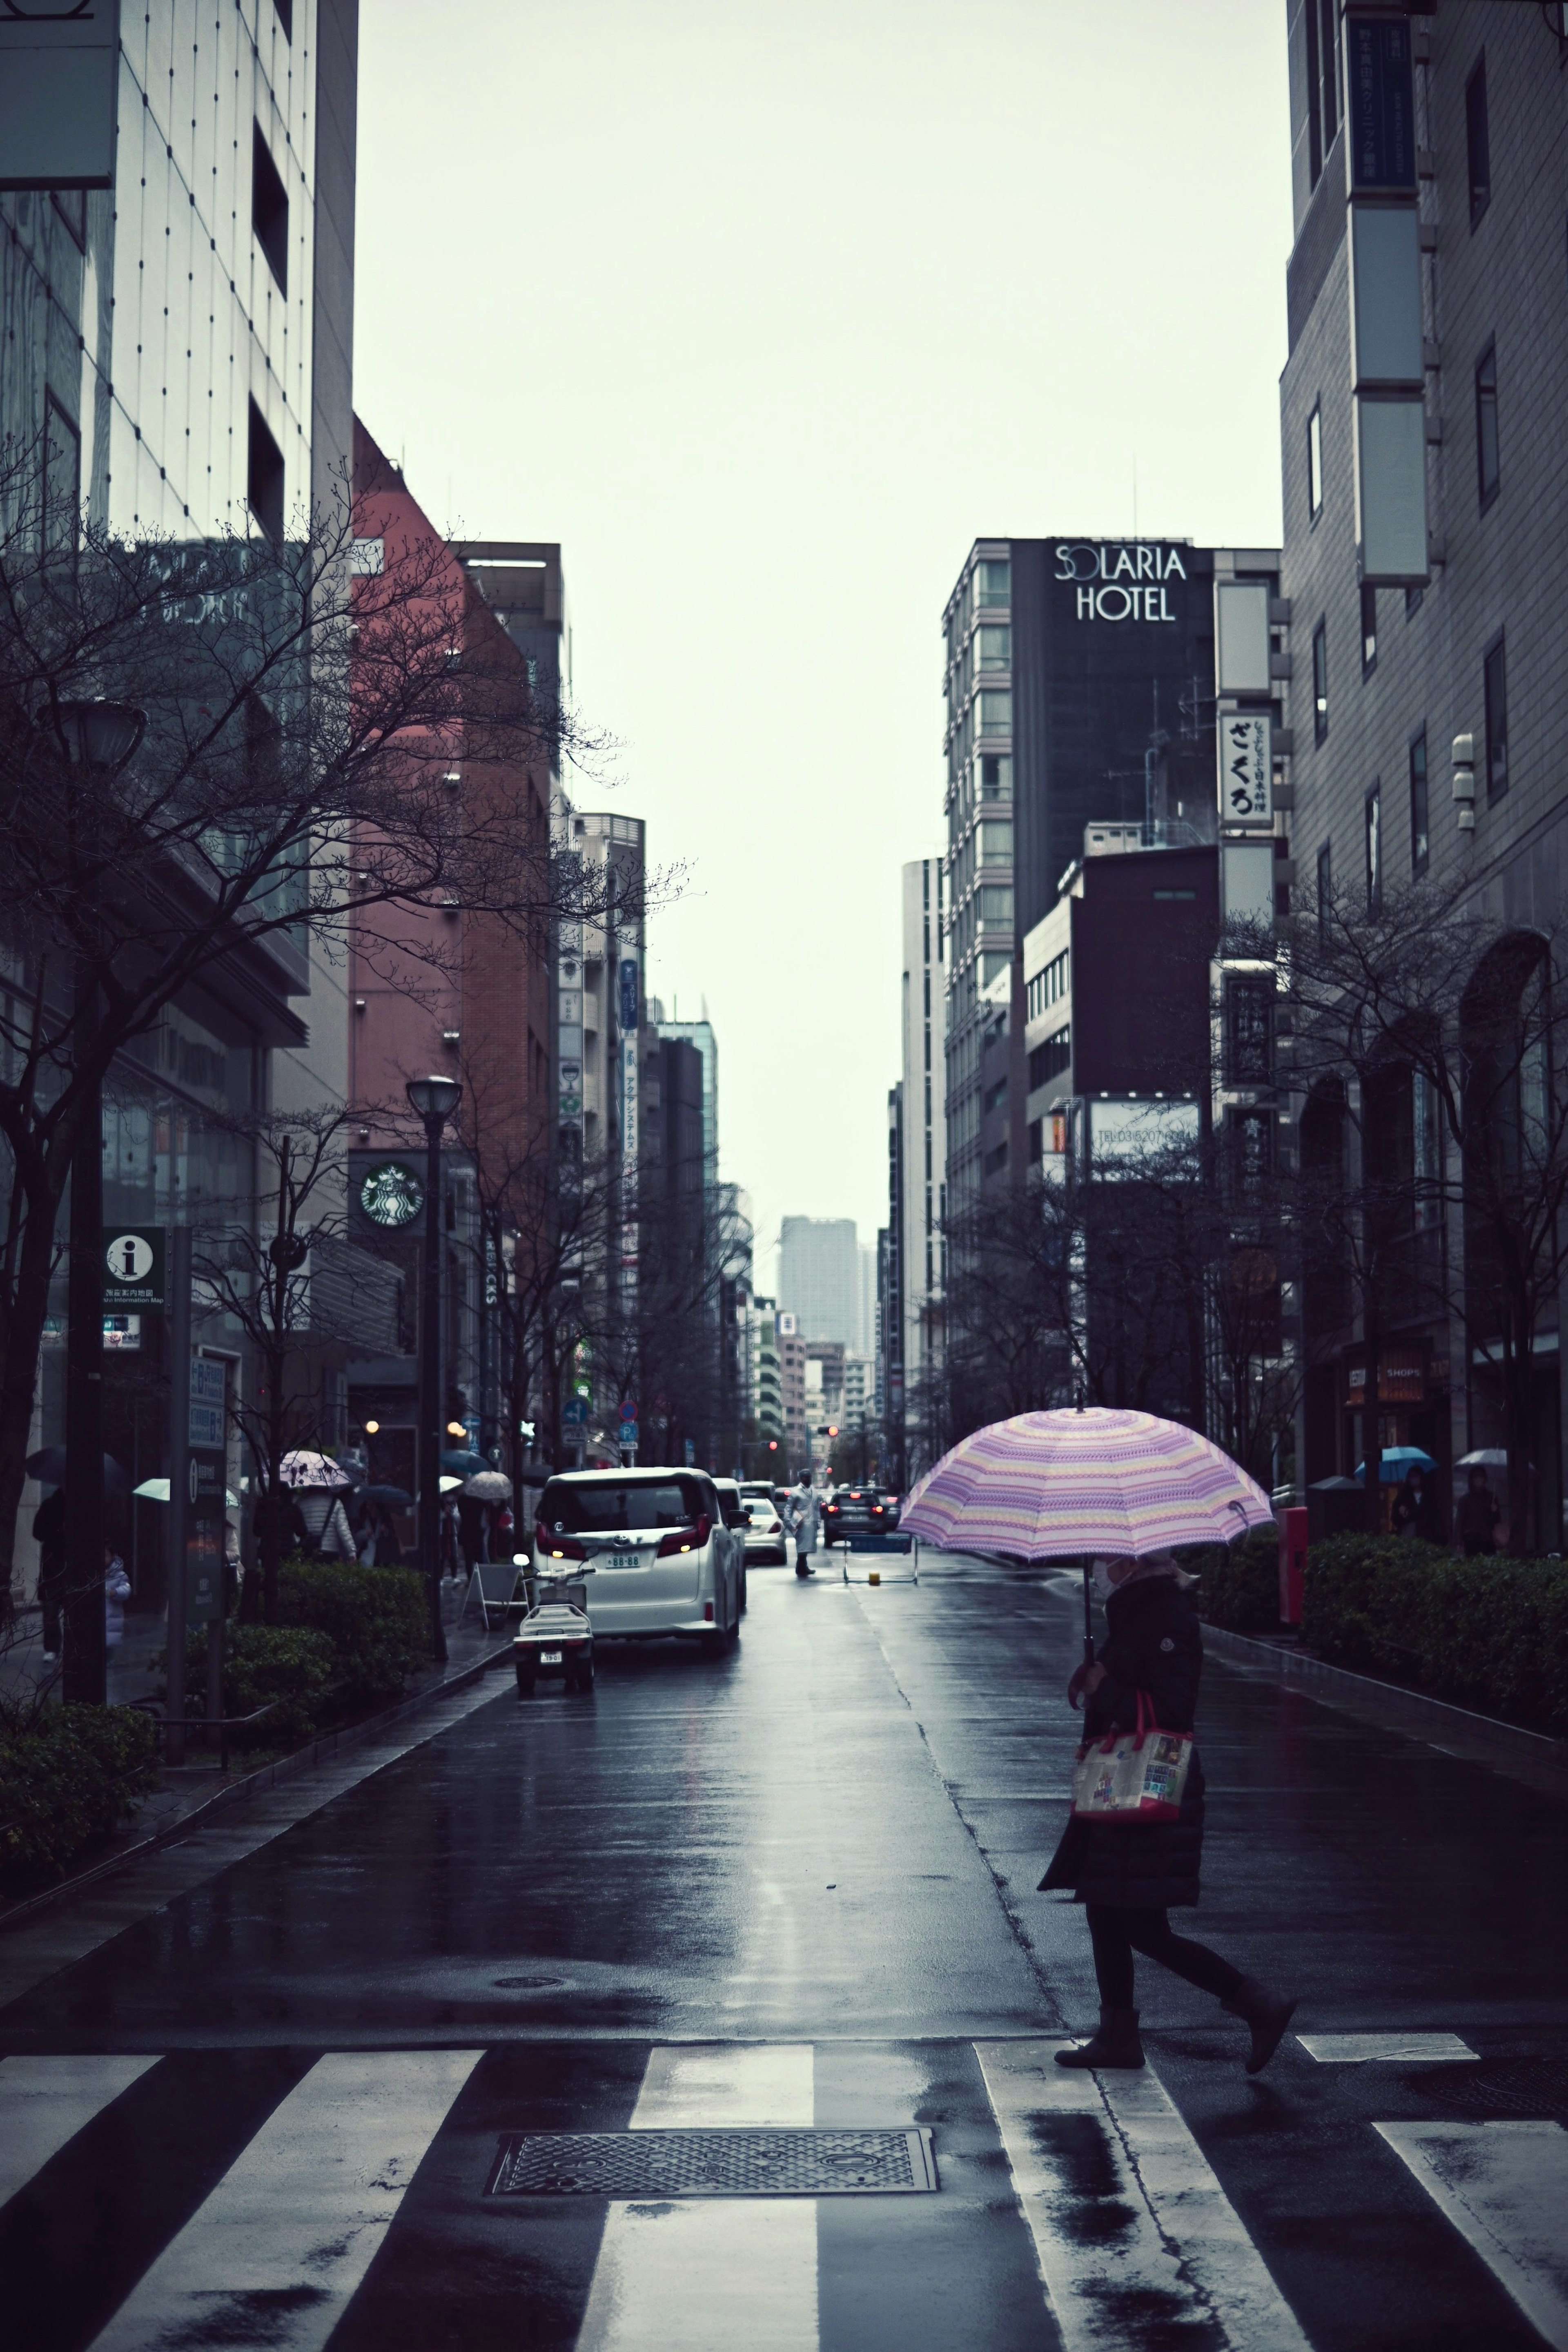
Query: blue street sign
{"points": [[628, 1432], [574, 1411]]}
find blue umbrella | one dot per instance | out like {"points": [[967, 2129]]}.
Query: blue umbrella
{"points": [[464, 1464], [1397, 1460]]}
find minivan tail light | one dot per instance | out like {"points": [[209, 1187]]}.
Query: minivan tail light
{"points": [[556, 1546], [708, 1612], [679, 1540]]}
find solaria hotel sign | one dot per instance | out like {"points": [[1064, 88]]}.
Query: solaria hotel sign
{"points": [[1121, 582]]}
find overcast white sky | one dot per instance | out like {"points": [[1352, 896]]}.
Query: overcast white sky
{"points": [[766, 308]]}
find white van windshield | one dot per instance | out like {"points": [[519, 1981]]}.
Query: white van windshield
{"points": [[615, 1505]]}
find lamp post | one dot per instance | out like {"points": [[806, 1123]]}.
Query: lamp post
{"points": [[98, 738], [434, 1100]]}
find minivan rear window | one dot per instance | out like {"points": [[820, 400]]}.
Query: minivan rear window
{"points": [[611, 1505]]}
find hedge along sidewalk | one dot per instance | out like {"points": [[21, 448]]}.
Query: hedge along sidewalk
{"points": [[51, 1930], [1534, 1758]]}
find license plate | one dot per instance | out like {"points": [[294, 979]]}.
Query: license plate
{"points": [[550, 1657]]}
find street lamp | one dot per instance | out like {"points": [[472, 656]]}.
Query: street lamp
{"points": [[433, 1101], [98, 738]]}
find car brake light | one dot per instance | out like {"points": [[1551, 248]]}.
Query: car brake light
{"points": [[708, 1612], [682, 1539], [556, 1546]]}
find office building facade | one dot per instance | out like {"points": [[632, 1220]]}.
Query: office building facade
{"points": [[819, 1278], [177, 364], [1423, 464]]}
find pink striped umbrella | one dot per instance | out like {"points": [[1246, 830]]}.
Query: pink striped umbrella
{"points": [[1077, 1484]]}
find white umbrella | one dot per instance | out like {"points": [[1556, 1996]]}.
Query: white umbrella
{"points": [[1485, 1457], [305, 1469], [488, 1487], [156, 1490]]}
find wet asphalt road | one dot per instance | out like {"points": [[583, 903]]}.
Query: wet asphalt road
{"points": [[795, 1886]]}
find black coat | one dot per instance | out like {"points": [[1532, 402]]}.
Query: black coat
{"points": [[1153, 1644]]}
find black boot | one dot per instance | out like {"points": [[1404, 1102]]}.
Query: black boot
{"points": [[1116, 2044], [1267, 2013]]}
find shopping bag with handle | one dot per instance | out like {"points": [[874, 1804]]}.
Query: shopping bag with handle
{"points": [[1133, 1776]]}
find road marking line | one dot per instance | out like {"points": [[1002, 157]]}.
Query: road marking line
{"points": [[273, 2255], [1359, 2049], [45, 2101], [1504, 2187], [1130, 2225], [699, 2276]]}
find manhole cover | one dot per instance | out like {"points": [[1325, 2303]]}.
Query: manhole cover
{"points": [[1500, 2087], [525, 1984], [655, 2165]]}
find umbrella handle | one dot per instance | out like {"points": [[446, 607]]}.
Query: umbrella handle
{"points": [[1088, 1609]]}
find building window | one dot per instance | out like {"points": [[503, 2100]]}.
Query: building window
{"points": [[1249, 1031], [1368, 627], [62, 491], [995, 843], [1486, 424], [1419, 845], [264, 481], [1374, 849], [994, 584], [1316, 462], [1049, 1060], [995, 908], [1325, 887], [1322, 80], [996, 648], [1048, 987], [996, 776], [1478, 140], [1497, 722], [269, 208], [995, 714], [1321, 681]]}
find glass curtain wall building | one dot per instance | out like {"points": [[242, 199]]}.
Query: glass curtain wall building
{"points": [[178, 363]]}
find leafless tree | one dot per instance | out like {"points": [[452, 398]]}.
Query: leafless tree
{"points": [[291, 784], [1430, 1032], [260, 1271]]}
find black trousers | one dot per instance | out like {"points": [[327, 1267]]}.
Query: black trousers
{"points": [[1116, 1935]]}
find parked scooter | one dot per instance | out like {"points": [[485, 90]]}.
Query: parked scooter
{"points": [[555, 1637]]}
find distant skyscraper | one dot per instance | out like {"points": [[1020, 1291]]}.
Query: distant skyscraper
{"points": [[820, 1278], [866, 1344]]}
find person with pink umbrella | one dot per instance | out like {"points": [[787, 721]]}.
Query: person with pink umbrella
{"points": [[1129, 1874], [1118, 1491]]}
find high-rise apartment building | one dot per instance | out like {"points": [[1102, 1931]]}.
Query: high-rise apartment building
{"points": [[820, 1278]]}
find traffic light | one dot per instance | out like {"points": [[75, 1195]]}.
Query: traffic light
{"points": [[832, 1429]]}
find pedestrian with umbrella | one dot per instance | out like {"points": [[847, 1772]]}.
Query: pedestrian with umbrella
{"points": [[1118, 1491], [320, 1524]]}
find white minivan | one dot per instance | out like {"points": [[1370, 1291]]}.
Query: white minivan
{"points": [[663, 1560]]}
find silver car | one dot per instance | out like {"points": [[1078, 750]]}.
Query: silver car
{"points": [[665, 1561], [765, 1530]]}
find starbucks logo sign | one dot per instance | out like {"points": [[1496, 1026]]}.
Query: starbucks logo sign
{"points": [[391, 1194]]}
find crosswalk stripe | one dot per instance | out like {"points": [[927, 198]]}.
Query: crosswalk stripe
{"points": [[1129, 2223], [707, 2276], [273, 2255], [1384, 2049], [1504, 2186], [45, 2101]]}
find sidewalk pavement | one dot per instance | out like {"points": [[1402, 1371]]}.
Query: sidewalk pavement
{"points": [[136, 1671]]}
